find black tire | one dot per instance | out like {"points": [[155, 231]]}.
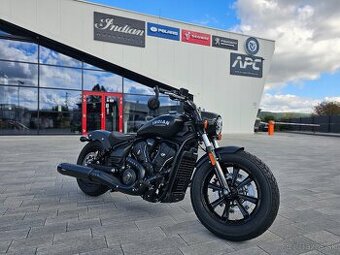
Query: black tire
{"points": [[265, 207], [88, 187]]}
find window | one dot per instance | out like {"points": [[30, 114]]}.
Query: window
{"points": [[107, 81], [60, 77], [28, 69], [3, 33], [16, 73], [18, 110], [18, 51], [51, 57], [133, 87], [60, 111], [91, 67], [136, 111]]}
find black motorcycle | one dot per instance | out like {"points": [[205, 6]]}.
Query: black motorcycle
{"points": [[233, 193]]}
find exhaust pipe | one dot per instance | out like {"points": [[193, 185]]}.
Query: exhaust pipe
{"points": [[100, 177]]}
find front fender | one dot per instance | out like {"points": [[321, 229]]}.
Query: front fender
{"points": [[219, 151], [102, 136]]}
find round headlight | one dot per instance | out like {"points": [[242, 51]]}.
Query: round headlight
{"points": [[219, 125]]}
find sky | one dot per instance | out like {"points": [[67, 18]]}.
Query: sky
{"points": [[306, 67]]}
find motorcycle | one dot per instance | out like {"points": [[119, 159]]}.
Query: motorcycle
{"points": [[233, 193]]}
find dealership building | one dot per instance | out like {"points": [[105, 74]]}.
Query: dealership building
{"points": [[70, 66]]}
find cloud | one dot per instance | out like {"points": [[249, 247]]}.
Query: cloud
{"points": [[307, 35], [52, 98], [13, 72], [291, 103], [207, 20], [48, 56]]}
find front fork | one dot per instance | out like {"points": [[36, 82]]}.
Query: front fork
{"points": [[215, 163]]}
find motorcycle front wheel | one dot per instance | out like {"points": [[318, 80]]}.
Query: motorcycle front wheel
{"points": [[251, 206]]}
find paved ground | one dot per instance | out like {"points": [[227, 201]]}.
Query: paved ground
{"points": [[42, 212]]}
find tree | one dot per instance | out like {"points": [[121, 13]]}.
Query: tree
{"points": [[327, 108], [268, 117]]}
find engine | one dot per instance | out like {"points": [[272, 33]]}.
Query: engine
{"points": [[155, 157]]}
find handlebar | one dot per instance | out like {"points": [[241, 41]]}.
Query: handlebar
{"points": [[183, 96], [172, 94]]}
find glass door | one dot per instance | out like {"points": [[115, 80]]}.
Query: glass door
{"points": [[102, 110]]}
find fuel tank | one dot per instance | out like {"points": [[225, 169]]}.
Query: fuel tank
{"points": [[166, 125]]}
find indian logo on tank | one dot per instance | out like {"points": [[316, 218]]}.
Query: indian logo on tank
{"points": [[161, 123]]}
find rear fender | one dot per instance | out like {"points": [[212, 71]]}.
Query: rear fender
{"points": [[102, 136], [219, 151]]}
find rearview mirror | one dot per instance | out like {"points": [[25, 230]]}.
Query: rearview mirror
{"points": [[153, 103]]}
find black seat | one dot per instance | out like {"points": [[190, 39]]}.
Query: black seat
{"points": [[117, 137]]}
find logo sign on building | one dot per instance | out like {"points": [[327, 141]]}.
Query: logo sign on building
{"points": [[252, 46], [166, 32], [223, 42], [195, 37], [245, 65], [115, 29]]}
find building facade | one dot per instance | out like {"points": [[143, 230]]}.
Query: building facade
{"points": [[69, 67]]}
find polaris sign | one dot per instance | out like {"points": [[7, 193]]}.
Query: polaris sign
{"points": [[162, 31], [245, 65]]}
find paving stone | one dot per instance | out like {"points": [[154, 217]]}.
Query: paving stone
{"points": [[21, 224], [22, 250], [132, 236], [248, 251], [286, 231], [322, 223], [314, 252], [33, 241], [203, 248], [83, 224], [292, 246], [77, 246], [48, 229], [61, 219], [153, 247], [114, 228], [115, 250], [11, 217], [4, 245], [155, 222], [14, 234], [331, 250], [183, 227], [324, 238], [267, 238], [69, 237], [199, 237], [335, 231]]}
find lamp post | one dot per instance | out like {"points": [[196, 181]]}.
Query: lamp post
{"points": [[18, 96]]}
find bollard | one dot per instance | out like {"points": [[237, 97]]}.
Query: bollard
{"points": [[271, 124]]}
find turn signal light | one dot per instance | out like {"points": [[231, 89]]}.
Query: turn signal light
{"points": [[212, 159], [205, 124]]}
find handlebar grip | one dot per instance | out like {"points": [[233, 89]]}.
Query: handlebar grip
{"points": [[162, 90]]}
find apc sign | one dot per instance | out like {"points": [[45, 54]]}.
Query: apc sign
{"points": [[115, 29], [245, 65]]}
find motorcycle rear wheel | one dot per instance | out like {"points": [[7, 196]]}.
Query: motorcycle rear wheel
{"points": [[251, 206], [88, 187]]}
